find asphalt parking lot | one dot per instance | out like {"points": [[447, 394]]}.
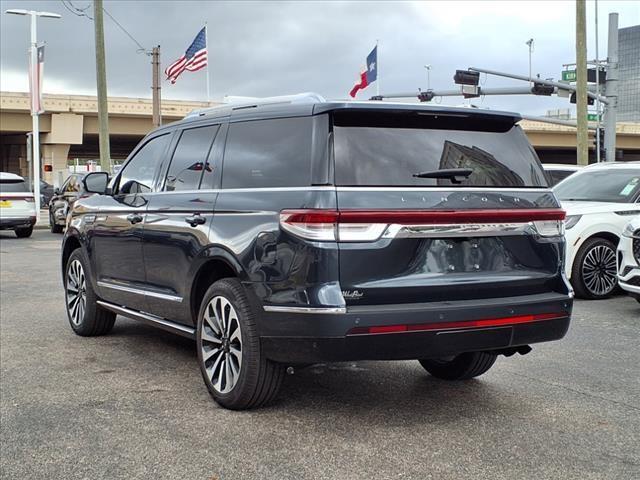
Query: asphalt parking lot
{"points": [[132, 405]]}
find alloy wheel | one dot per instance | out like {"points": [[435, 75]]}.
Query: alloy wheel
{"points": [[599, 270], [221, 344], [76, 292]]}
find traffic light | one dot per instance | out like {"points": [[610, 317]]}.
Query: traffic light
{"points": [[599, 133], [572, 99], [541, 89]]}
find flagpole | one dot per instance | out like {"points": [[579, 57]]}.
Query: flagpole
{"points": [[377, 69], [206, 42]]}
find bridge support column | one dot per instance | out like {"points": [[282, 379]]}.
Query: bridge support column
{"points": [[55, 155]]}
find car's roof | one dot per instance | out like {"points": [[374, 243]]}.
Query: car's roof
{"points": [[10, 176], [604, 165], [315, 106], [561, 166]]}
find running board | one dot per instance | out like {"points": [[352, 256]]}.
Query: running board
{"points": [[152, 320]]}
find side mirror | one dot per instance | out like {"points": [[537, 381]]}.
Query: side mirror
{"points": [[56, 191], [96, 182]]}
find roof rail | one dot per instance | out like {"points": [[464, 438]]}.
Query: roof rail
{"points": [[238, 103]]}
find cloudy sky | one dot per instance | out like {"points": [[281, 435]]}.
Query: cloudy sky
{"points": [[274, 48]]}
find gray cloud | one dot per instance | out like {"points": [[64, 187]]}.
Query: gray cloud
{"points": [[272, 48]]}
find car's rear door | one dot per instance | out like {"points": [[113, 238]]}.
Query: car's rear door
{"points": [[405, 239], [116, 235], [178, 219]]}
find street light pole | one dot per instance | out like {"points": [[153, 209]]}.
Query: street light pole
{"points": [[35, 115], [428, 67], [530, 45]]}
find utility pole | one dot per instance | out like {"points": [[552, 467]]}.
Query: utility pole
{"points": [[155, 89], [101, 77], [581, 83], [611, 90]]}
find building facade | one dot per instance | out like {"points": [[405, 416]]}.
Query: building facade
{"points": [[629, 74]]}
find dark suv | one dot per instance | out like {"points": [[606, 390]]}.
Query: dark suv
{"points": [[302, 231]]}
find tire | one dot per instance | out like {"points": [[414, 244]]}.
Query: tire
{"points": [[594, 272], [234, 370], [461, 367], [86, 317], [55, 228], [24, 232]]}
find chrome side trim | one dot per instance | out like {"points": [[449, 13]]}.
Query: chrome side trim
{"points": [[318, 310], [139, 291], [301, 188], [443, 189], [152, 320], [459, 230]]}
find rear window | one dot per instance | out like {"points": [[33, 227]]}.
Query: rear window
{"points": [[556, 176], [13, 186], [606, 185], [268, 153], [387, 150]]}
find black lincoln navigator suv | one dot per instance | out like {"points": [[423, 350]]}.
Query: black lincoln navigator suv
{"points": [[298, 231]]}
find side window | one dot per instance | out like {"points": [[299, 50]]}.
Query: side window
{"points": [[190, 158], [268, 153], [72, 185], [137, 175]]}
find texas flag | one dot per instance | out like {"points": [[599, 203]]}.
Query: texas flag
{"points": [[369, 75]]}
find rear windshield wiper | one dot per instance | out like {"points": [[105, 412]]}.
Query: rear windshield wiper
{"points": [[456, 175]]}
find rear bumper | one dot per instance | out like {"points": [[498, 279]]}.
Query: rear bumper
{"points": [[7, 223], [308, 337]]}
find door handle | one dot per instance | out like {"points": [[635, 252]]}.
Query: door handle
{"points": [[134, 218], [195, 219]]}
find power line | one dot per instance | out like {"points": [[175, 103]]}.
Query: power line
{"points": [[141, 49], [80, 12]]}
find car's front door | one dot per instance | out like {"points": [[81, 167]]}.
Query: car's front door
{"points": [[178, 220], [116, 240]]}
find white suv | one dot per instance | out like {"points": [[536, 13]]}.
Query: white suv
{"points": [[17, 205], [599, 201], [629, 258]]}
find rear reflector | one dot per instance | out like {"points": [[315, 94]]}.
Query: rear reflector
{"points": [[369, 225], [487, 322]]}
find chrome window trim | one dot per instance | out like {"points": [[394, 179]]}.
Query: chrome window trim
{"points": [[139, 291], [318, 310]]}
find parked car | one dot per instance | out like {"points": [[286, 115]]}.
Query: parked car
{"points": [[629, 259], [17, 206], [294, 231], [599, 201], [63, 199], [46, 193], [556, 172]]}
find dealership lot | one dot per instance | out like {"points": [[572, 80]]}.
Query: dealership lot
{"points": [[132, 404]]}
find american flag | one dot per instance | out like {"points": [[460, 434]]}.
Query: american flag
{"points": [[193, 59]]}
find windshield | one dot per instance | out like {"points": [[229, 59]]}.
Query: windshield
{"points": [[610, 185], [389, 152], [13, 186]]}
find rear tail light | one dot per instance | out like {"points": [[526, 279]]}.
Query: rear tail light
{"points": [[370, 225]]}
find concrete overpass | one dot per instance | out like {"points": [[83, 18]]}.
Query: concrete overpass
{"points": [[69, 131]]}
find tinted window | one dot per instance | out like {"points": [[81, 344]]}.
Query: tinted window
{"points": [[190, 159], [556, 176], [13, 186], [137, 175], [606, 185], [268, 153], [390, 150]]}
